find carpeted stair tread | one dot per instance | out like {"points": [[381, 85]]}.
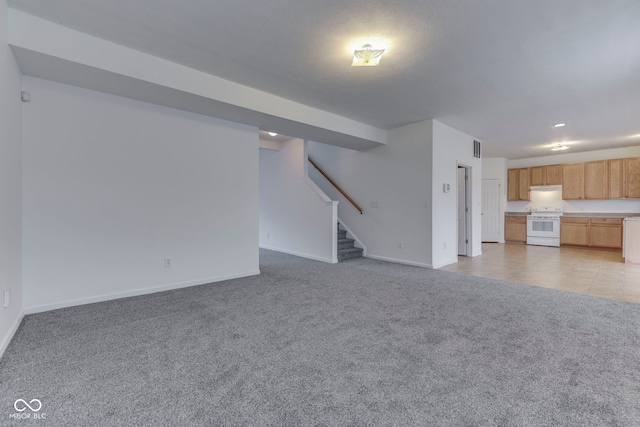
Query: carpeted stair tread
{"points": [[346, 246]]}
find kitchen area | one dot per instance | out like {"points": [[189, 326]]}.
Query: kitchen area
{"points": [[590, 204]]}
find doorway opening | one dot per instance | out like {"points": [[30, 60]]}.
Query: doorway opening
{"points": [[464, 210]]}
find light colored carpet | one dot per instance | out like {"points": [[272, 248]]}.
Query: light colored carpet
{"points": [[306, 343]]}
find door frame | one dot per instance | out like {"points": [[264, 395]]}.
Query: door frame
{"points": [[468, 208]]}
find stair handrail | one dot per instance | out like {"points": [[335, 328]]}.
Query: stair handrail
{"points": [[355, 205]]}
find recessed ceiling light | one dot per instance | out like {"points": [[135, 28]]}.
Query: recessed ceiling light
{"points": [[559, 147], [273, 133], [367, 56], [559, 125]]}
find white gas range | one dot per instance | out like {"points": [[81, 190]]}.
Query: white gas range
{"points": [[543, 226]]}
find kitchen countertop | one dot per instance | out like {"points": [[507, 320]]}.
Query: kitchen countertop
{"points": [[586, 214]]}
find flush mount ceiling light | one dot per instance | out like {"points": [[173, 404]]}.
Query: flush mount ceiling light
{"points": [[273, 133], [559, 125], [559, 147], [367, 56]]}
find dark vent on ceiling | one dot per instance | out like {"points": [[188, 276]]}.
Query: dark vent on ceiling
{"points": [[477, 149]]}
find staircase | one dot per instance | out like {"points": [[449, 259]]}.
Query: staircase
{"points": [[346, 248]]}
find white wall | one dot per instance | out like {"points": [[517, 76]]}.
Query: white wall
{"points": [[450, 149], [10, 187], [596, 206], [496, 168], [396, 177], [296, 217], [58, 53], [113, 186]]}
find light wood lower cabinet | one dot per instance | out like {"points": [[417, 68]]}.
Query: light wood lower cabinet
{"points": [[515, 228], [592, 232], [574, 231], [606, 232]]}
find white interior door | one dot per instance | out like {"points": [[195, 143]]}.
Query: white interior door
{"points": [[490, 210], [462, 212]]}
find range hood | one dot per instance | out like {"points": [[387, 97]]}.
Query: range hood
{"points": [[546, 187]]}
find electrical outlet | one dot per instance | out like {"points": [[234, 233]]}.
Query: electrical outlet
{"points": [[400, 245], [167, 263], [444, 245]]}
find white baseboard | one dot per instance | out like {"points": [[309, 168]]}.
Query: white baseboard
{"points": [[399, 261], [300, 254], [445, 263], [12, 331], [133, 293]]}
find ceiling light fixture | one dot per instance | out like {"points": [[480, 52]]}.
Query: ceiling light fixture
{"points": [[559, 147], [367, 56], [273, 133], [559, 125]]}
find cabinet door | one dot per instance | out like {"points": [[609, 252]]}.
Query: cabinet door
{"points": [[554, 174], [595, 179], [615, 179], [523, 184], [538, 175], [513, 189], [606, 232], [574, 231], [632, 177], [572, 181], [515, 228]]}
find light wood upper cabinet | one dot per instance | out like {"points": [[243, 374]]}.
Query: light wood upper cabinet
{"points": [[572, 181], [595, 179], [523, 184], [615, 179], [598, 179], [554, 174], [513, 190], [632, 177], [538, 175], [546, 175], [623, 177], [518, 184]]}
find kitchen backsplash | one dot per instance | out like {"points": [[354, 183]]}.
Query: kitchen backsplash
{"points": [[592, 206]]}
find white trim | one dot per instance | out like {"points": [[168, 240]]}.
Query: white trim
{"points": [[319, 192], [400, 261], [359, 243], [12, 331], [300, 254], [445, 263], [145, 291], [270, 145]]}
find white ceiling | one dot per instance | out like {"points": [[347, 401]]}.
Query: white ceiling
{"points": [[503, 71]]}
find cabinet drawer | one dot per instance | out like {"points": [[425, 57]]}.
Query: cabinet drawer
{"points": [[516, 219], [565, 220], [610, 221]]}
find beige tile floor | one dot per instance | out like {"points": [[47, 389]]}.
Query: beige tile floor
{"points": [[594, 272]]}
